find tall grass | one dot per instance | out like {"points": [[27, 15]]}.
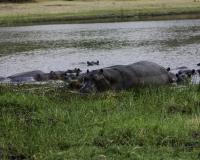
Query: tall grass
{"points": [[143, 123]]}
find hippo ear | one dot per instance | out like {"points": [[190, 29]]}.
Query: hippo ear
{"points": [[101, 71], [168, 69], [193, 71]]}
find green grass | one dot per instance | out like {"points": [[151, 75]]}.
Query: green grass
{"points": [[39, 122], [93, 14]]}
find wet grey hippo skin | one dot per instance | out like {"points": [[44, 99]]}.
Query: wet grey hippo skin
{"points": [[172, 75], [25, 76], [182, 75], [92, 63], [123, 77], [76, 70], [37, 75], [53, 75], [58, 75]]}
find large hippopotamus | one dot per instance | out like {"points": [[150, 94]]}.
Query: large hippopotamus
{"points": [[121, 77]]}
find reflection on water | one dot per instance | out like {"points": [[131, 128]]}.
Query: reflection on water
{"points": [[171, 43]]}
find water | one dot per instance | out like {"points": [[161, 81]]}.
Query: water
{"points": [[170, 43]]}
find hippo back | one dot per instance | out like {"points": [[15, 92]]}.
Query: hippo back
{"points": [[144, 73], [126, 76], [25, 76]]}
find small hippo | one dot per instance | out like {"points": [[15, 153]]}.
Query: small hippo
{"points": [[92, 63], [53, 75], [76, 70], [183, 67], [184, 76]]}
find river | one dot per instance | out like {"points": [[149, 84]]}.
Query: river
{"points": [[170, 43]]}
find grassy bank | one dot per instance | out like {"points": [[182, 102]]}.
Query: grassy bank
{"points": [[38, 122], [60, 10]]}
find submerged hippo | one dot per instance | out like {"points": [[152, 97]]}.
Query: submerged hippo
{"points": [[122, 77], [92, 63], [76, 70], [25, 76], [37, 75], [53, 75], [184, 76]]}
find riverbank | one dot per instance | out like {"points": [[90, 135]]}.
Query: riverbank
{"points": [[70, 11]]}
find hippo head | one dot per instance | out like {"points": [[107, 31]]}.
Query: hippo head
{"points": [[54, 75], [57, 75], [183, 77], [41, 77], [95, 81]]}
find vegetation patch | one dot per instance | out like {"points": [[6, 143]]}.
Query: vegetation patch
{"points": [[67, 11], [41, 122]]}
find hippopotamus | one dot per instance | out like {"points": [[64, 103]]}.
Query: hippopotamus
{"points": [[187, 71], [76, 70], [122, 77], [184, 76], [37, 75], [92, 63], [25, 76], [52, 75]]}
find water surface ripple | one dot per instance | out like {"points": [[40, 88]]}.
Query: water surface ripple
{"points": [[171, 43]]}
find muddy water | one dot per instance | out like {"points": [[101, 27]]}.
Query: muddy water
{"points": [[171, 43]]}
